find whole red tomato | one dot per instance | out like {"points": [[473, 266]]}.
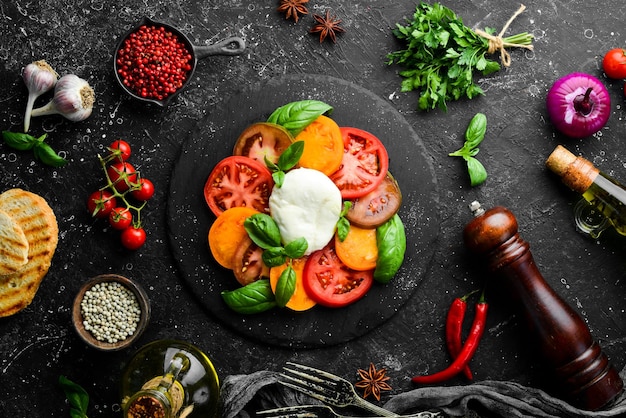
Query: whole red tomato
{"points": [[133, 237], [122, 175], [145, 190], [121, 149], [120, 218], [614, 63], [100, 203]]}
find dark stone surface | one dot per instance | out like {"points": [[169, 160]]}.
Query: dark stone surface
{"points": [[79, 36]]}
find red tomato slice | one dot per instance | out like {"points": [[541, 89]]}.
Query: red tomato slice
{"points": [[364, 165], [378, 206], [263, 140], [238, 181], [248, 264], [331, 283]]}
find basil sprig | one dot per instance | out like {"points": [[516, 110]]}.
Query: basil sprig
{"points": [[287, 160], [264, 232], [76, 396], [474, 135], [296, 116], [42, 151], [343, 224]]}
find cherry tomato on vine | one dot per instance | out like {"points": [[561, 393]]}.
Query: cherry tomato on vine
{"points": [[133, 237], [100, 203], [145, 190], [120, 148], [614, 63], [120, 218], [122, 175]]}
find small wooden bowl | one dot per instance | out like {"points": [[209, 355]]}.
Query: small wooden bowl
{"points": [[87, 336]]}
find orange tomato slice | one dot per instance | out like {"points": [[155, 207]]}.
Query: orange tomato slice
{"points": [[299, 301], [227, 232], [359, 250], [323, 145]]}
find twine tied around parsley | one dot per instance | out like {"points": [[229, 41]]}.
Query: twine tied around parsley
{"points": [[497, 42]]}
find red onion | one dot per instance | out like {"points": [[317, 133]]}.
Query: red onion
{"points": [[578, 105]]}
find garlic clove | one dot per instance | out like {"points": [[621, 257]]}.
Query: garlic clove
{"points": [[73, 99], [39, 78]]}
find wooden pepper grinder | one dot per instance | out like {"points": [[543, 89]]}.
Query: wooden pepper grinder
{"points": [[585, 377]]}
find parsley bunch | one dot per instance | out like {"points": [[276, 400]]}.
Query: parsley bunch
{"points": [[442, 55]]}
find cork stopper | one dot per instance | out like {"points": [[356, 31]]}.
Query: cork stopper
{"points": [[575, 172]]}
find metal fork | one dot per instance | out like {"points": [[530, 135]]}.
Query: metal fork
{"points": [[324, 411], [328, 388]]}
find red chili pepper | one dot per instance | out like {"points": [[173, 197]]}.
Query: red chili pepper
{"points": [[454, 326], [467, 352]]}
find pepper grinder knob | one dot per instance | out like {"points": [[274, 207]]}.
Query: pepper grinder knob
{"points": [[582, 372]]}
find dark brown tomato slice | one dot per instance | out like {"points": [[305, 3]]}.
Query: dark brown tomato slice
{"points": [[329, 282], [248, 264], [261, 140], [364, 165], [238, 181], [378, 206]]}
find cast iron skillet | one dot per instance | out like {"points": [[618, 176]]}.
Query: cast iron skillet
{"points": [[230, 46]]}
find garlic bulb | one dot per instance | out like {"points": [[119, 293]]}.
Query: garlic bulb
{"points": [[73, 99], [39, 78]]}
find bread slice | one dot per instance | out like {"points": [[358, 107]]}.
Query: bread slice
{"points": [[13, 245], [38, 222]]}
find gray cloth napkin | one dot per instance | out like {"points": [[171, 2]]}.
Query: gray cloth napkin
{"points": [[242, 395]]}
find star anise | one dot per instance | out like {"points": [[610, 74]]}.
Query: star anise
{"points": [[293, 8], [327, 26], [373, 381]]}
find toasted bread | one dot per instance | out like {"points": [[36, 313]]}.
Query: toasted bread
{"points": [[38, 222], [13, 245]]}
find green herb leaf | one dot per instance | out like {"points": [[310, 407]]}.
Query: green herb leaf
{"points": [[391, 241], [476, 170], [250, 299], [273, 257], [475, 132], [296, 248], [262, 230], [20, 141], [47, 155], [76, 396], [285, 287], [298, 115], [290, 157], [343, 224]]}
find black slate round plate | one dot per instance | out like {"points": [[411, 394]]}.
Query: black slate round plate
{"points": [[189, 218]]}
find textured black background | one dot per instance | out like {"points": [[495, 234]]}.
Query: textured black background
{"points": [[78, 36]]}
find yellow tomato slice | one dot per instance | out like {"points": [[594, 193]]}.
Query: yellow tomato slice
{"points": [[359, 250], [299, 301], [323, 145], [227, 232]]}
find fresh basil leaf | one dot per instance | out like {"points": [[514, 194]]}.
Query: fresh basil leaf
{"points": [[250, 299], [475, 132], [46, 155], [391, 241], [296, 248], [285, 287], [274, 256], [290, 157], [262, 230], [296, 116], [20, 141], [343, 227], [76, 396], [278, 177], [477, 172], [270, 164]]}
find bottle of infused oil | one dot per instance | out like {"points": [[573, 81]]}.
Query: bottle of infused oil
{"points": [[169, 379], [604, 202]]}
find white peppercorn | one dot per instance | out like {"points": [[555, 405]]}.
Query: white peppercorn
{"points": [[110, 312]]}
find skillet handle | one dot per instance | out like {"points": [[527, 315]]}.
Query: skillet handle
{"points": [[229, 46]]}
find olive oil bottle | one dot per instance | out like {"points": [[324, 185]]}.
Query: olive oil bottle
{"points": [[169, 379], [604, 202]]}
